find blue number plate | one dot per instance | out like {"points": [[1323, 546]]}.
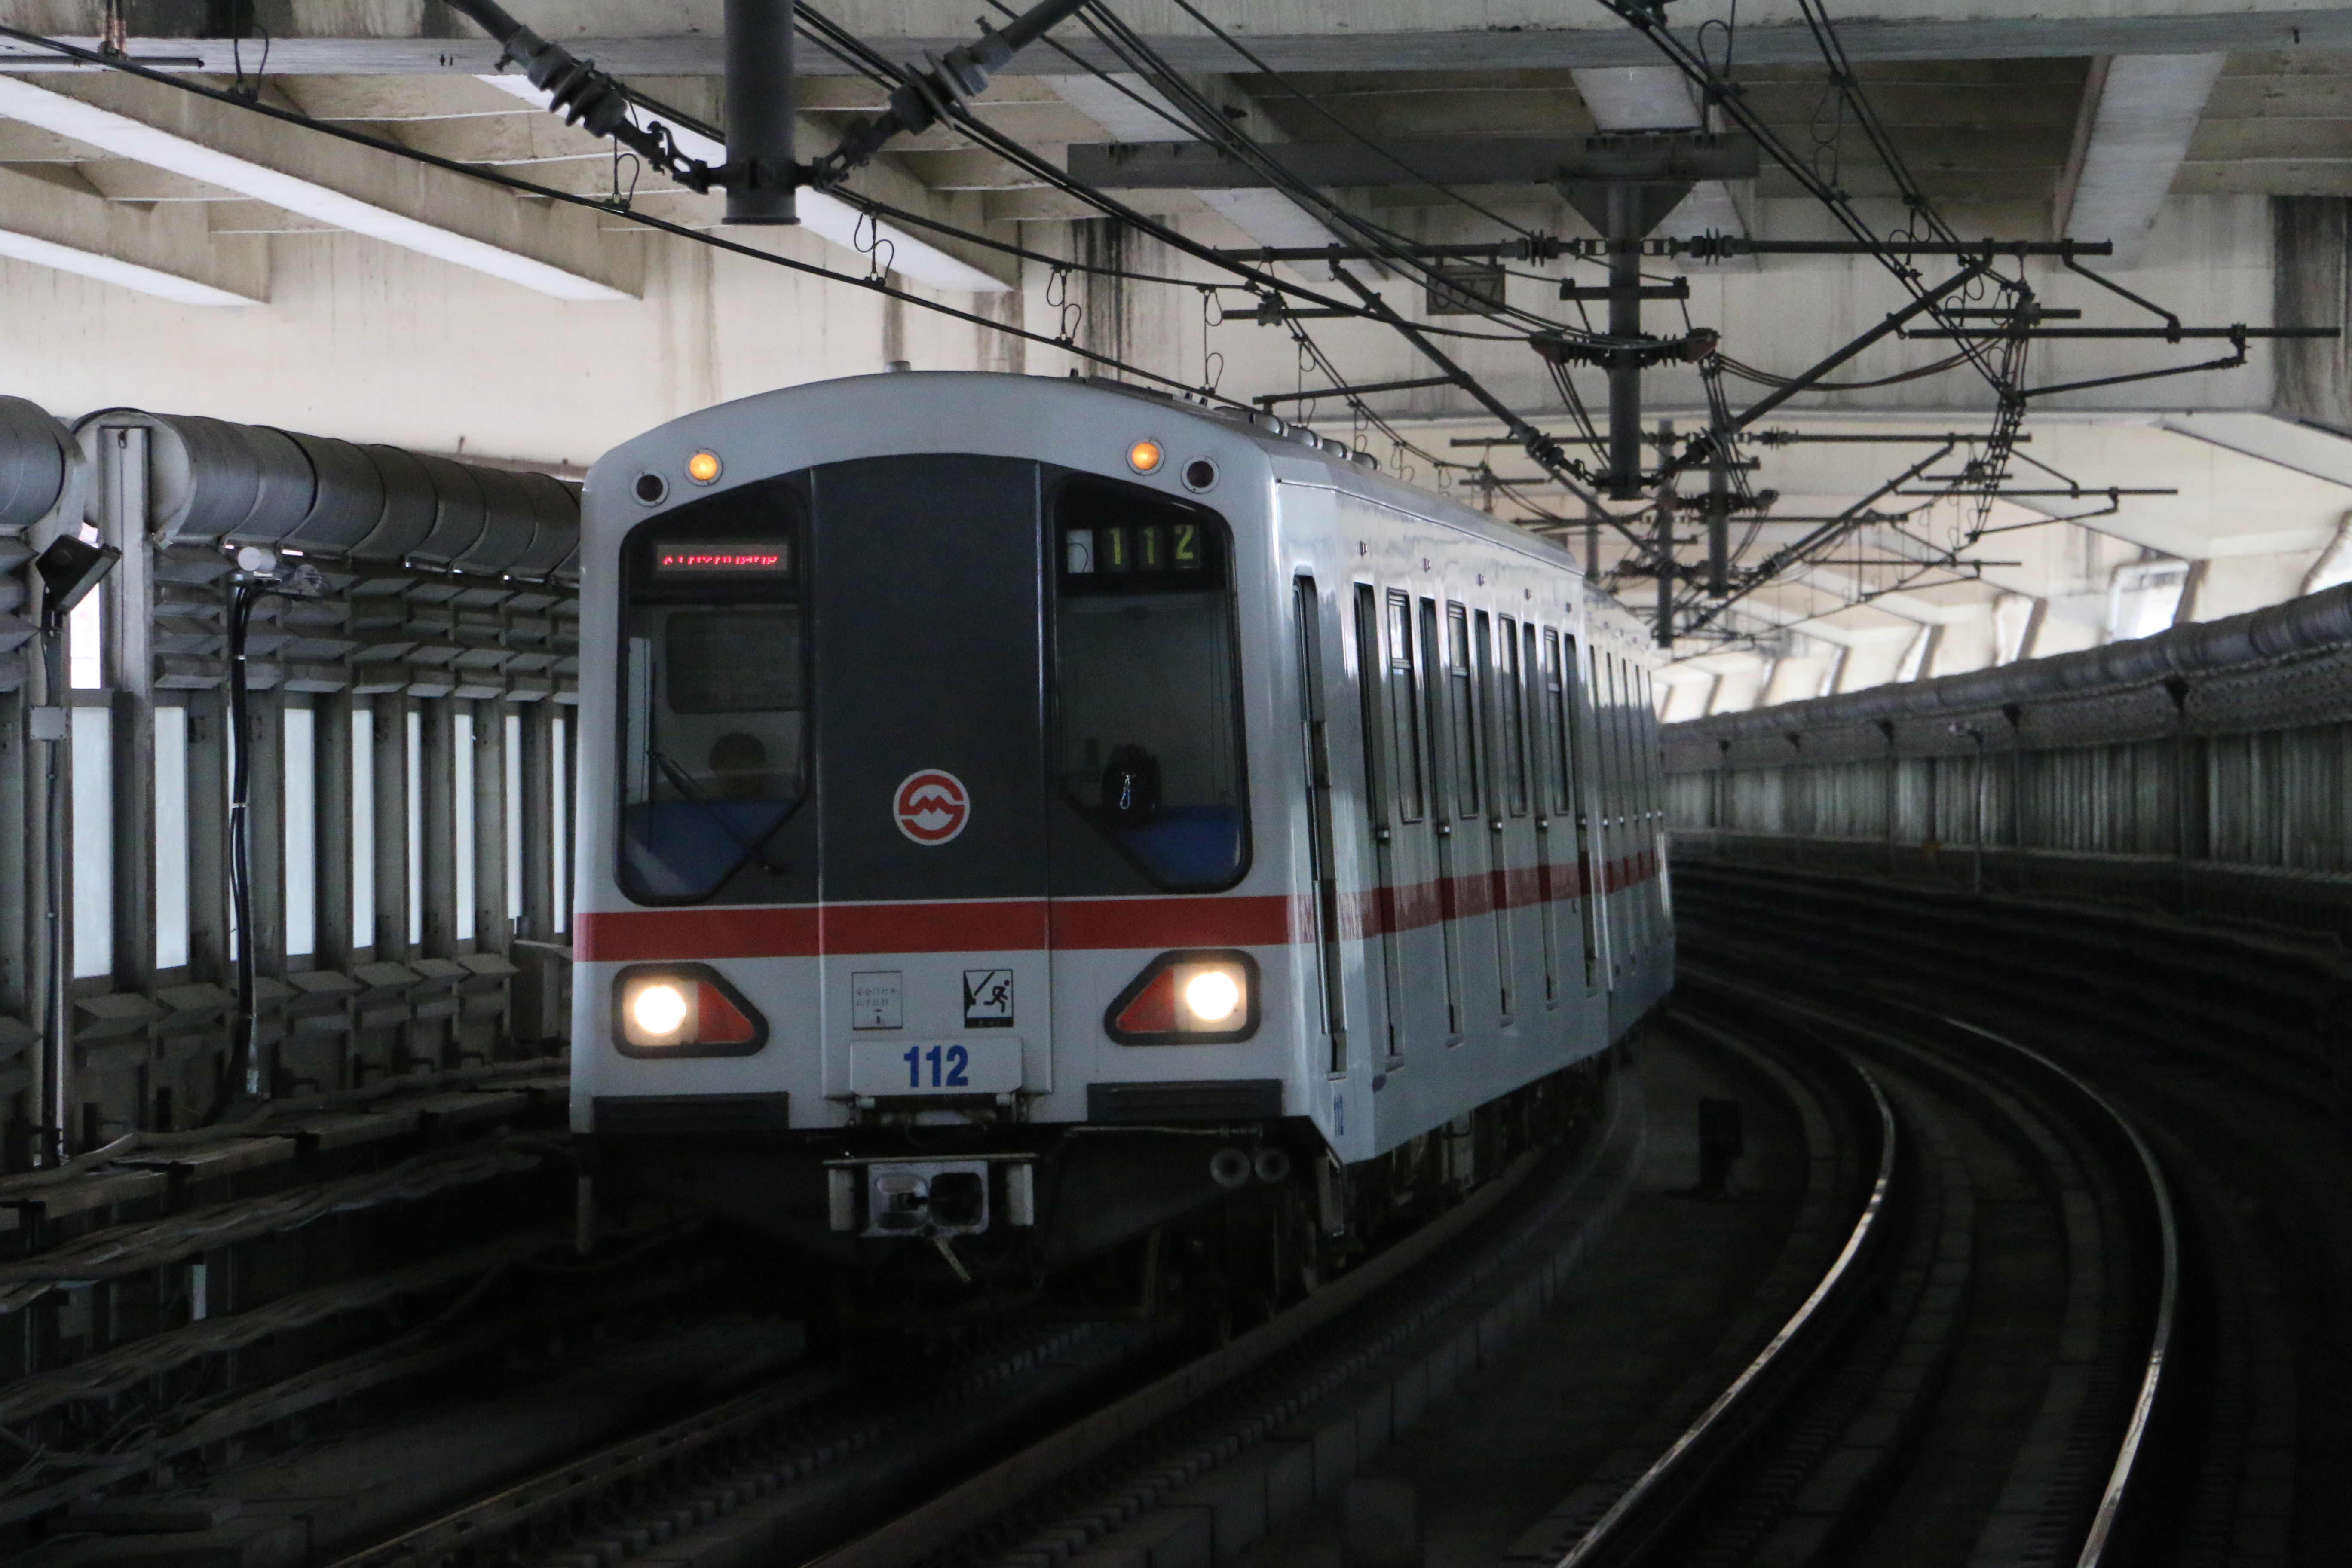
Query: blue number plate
{"points": [[885, 1068]]}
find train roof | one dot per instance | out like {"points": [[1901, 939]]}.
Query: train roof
{"points": [[1296, 452]]}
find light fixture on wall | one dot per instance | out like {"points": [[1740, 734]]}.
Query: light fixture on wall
{"points": [[69, 569]]}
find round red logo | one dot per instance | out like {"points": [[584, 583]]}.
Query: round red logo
{"points": [[931, 806]]}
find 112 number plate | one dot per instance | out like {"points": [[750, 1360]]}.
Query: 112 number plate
{"points": [[890, 1068]]}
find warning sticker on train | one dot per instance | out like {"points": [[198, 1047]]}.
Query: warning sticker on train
{"points": [[931, 806]]}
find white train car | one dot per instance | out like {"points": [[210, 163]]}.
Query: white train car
{"points": [[1018, 812]]}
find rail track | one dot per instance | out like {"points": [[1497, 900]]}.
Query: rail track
{"points": [[172, 1292], [1893, 1451], [854, 1462], [1978, 1330], [2227, 1048]]}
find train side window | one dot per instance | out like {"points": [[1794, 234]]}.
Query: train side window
{"points": [[1432, 708], [1604, 735], [1462, 712], [1147, 684], [1559, 720], [1512, 699], [1405, 711], [1621, 717], [1370, 679], [714, 721]]}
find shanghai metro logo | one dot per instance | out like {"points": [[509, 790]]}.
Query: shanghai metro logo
{"points": [[931, 806]]}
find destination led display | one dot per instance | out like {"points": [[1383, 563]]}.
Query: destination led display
{"points": [[722, 558]]}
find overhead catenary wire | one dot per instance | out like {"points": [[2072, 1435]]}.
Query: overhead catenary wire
{"points": [[1253, 280], [598, 204], [1208, 123], [1338, 123], [526, 186]]}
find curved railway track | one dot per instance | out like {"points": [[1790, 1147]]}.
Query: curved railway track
{"points": [[818, 1459], [1959, 1337], [2225, 1048]]}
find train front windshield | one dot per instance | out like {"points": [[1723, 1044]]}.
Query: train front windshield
{"points": [[714, 721], [896, 612], [1149, 731]]}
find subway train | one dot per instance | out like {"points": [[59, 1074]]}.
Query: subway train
{"points": [[1020, 814]]}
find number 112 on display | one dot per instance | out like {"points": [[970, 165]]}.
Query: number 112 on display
{"points": [[945, 1066]]}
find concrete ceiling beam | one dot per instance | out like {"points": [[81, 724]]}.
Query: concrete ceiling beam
{"points": [[1131, 109], [1659, 98], [52, 219], [548, 249], [2139, 113], [686, 40]]}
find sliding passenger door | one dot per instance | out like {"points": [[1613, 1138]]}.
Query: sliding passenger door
{"points": [[1601, 883], [1568, 762], [1538, 791], [1392, 781], [1495, 749], [1314, 715], [1454, 779]]}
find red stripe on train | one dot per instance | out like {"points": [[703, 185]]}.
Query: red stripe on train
{"points": [[1010, 925], [1380, 911], [1027, 925]]}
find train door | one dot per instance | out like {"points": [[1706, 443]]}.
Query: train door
{"points": [[1493, 749], [1654, 778], [933, 789], [1449, 760], [1316, 735], [1522, 729], [1602, 883], [1395, 789], [1565, 760], [1624, 900], [1636, 807]]}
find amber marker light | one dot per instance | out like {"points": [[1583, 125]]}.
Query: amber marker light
{"points": [[1145, 456], [702, 468]]}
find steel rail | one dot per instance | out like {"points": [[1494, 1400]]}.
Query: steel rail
{"points": [[1054, 1459], [478, 1526], [1603, 1536], [2120, 1474], [2122, 1471]]}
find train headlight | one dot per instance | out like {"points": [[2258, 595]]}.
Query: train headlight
{"points": [[703, 467], [683, 1009], [1187, 999], [1145, 456], [658, 1012], [1211, 996]]}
